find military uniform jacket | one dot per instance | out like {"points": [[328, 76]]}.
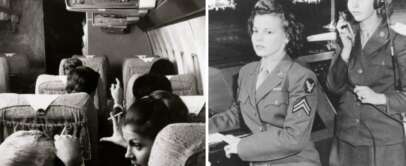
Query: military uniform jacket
{"points": [[371, 66], [279, 114]]}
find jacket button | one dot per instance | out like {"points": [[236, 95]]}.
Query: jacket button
{"points": [[359, 71], [276, 102], [356, 120], [261, 129], [382, 34]]}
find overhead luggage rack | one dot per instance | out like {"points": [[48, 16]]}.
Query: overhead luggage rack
{"points": [[85, 5]]}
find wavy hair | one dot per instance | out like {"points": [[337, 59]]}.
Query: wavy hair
{"points": [[291, 26]]}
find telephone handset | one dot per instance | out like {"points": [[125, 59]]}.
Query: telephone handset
{"points": [[343, 18]]}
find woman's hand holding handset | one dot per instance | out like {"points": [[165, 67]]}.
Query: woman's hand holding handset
{"points": [[347, 36]]}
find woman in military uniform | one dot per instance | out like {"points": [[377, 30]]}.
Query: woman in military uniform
{"points": [[277, 97], [369, 127]]}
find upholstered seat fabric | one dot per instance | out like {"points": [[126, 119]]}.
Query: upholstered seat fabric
{"points": [[176, 143]]}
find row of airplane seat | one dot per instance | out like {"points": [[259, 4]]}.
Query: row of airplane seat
{"points": [[81, 112], [183, 85]]}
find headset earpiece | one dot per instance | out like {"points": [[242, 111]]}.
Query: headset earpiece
{"points": [[378, 4]]}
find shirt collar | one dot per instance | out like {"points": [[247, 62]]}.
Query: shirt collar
{"points": [[280, 68]]}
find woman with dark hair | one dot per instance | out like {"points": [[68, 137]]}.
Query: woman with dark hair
{"points": [[142, 122], [372, 97], [148, 83], [178, 109], [82, 79], [277, 97], [163, 67]]}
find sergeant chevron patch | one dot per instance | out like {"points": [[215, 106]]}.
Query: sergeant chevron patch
{"points": [[302, 105]]}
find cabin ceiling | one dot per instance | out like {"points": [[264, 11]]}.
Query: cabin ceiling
{"points": [[172, 11]]}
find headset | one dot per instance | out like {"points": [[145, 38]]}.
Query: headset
{"points": [[383, 6], [379, 3]]}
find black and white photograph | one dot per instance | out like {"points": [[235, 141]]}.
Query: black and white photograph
{"points": [[103, 82], [307, 83]]}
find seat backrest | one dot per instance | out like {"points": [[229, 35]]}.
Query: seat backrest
{"points": [[220, 91], [4, 70], [50, 84], [99, 64], [177, 143], [183, 84], [129, 96], [133, 66], [74, 111]]}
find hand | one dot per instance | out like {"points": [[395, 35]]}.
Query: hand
{"points": [[68, 150], [117, 137], [367, 95], [347, 38], [232, 147], [117, 92]]}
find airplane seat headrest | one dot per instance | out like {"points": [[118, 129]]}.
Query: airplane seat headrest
{"points": [[177, 143]]}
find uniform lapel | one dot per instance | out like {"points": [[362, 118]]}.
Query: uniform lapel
{"points": [[274, 78], [378, 39], [251, 83]]}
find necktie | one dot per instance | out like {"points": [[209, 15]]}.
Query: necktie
{"points": [[262, 75], [364, 38]]}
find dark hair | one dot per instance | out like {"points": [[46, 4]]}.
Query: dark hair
{"points": [[178, 111], [147, 116], [82, 79], [291, 26], [70, 64], [163, 67], [148, 83]]}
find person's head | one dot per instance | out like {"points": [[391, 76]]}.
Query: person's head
{"points": [[163, 67], [82, 79], [141, 123], [178, 111], [70, 64], [148, 83], [27, 148], [274, 29], [363, 9]]}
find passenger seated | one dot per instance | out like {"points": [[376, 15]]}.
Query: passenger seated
{"points": [[54, 84], [148, 83], [178, 109], [70, 64], [163, 67], [142, 122], [82, 79], [144, 85]]}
